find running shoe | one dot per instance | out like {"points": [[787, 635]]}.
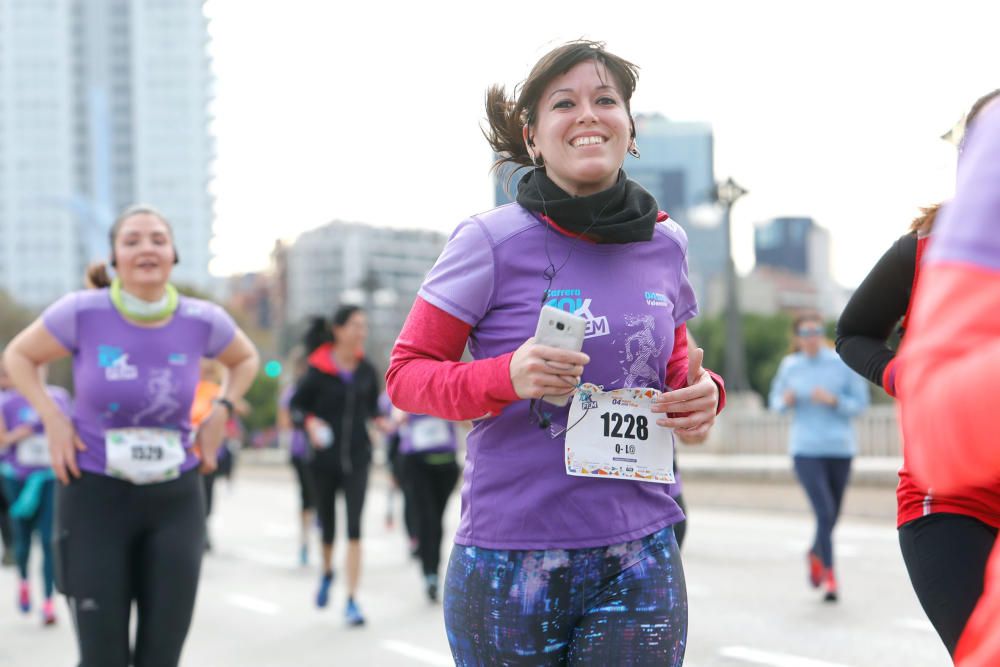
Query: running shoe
{"points": [[323, 595], [830, 586], [431, 586], [48, 612], [353, 613], [24, 597], [303, 555], [815, 569]]}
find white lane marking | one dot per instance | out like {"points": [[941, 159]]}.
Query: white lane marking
{"points": [[418, 653], [253, 604], [921, 624], [772, 659], [262, 557], [282, 530]]}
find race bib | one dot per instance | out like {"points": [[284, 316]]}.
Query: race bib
{"points": [[144, 455], [430, 434], [614, 435], [33, 452]]}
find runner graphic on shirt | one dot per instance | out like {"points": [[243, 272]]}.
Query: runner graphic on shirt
{"points": [[640, 372], [162, 404]]}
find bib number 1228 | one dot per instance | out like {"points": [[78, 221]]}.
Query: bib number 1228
{"points": [[636, 427]]}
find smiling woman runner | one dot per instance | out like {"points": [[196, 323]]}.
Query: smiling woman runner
{"points": [[555, 560], [130, 517]]}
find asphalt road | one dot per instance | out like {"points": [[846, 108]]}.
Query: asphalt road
{"points": [[749, 602]]}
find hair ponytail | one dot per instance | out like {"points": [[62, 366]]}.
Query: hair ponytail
{"points": [[96, 276], [318, 334], [505, 134]]}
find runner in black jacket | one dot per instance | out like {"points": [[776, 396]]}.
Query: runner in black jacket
{"points": [[335, 400]]}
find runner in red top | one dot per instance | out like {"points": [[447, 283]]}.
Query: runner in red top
{"points": [[946, 539], [949, 365]]}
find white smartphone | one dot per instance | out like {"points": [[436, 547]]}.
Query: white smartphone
{"points": [[558, 328]]}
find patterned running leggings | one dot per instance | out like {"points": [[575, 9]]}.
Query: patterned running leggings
{"points": [[620, 605]]}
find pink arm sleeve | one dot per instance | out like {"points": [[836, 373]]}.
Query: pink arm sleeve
{"points": [[677, 366], [427, 355]]}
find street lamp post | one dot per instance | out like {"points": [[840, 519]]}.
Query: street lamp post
{"points": [[735, 370]]}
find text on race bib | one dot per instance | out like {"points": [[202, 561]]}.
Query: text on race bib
{"points": [[614, 435]]}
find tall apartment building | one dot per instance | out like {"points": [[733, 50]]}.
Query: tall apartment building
{"points": [[338, 263], [103, 103]]}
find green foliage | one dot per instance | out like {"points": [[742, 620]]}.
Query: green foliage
{"points": [[263, 399], [13, 318], [766, 340]]}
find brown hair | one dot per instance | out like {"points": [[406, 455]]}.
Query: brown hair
{"points": [[923, 223], [800, 319], [979, 104], [96, 276], [507, 115]]}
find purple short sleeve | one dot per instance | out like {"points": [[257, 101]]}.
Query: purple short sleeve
{"points": [[222, 331], [687, 304], [969, 228], [60, 320], [462, 281]]}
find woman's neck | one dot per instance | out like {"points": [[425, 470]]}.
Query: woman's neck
{"points": [[149, 293], [345, 357]]}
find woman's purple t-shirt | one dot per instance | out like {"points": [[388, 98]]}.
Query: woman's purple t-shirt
{"points": [[131, 376], [16, 411], [299, 446], [516, 493]]}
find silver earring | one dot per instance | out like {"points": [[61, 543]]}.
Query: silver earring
{"points": [[633, 149]]}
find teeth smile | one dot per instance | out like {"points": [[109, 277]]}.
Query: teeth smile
{"points": [[587, 141]]}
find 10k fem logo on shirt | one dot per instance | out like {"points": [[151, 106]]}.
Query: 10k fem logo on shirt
{"points": [[115, 363], [571, 301]]}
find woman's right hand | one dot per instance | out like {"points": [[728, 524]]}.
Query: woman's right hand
{"points": [[789, 398], [541, 370], [64, 443]]}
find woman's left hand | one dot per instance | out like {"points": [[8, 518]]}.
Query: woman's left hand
{"points": [[691, 410], [210, 436]]}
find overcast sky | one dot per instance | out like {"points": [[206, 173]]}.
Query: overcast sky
{"points": [[370, 111]]}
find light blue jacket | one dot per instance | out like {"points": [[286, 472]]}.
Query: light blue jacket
{"points": [[819, 429]]}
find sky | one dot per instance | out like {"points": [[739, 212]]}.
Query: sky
{"points": [[371, 111]]}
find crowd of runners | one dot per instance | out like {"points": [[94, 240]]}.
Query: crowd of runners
{"points": [[115, 482]]}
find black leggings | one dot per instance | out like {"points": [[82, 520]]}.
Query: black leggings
{"points": [[304, 474], [326, 483], [430, 485], [945, 556], [824, 480], [6, 527], [118, 542], [208, 481]]}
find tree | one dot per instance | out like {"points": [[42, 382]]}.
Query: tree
{"points": [[263, 399], [767, 339], [13, 318]]}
